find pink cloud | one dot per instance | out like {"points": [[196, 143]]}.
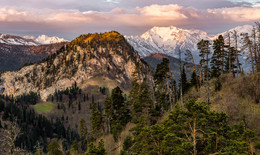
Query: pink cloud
{"points": [[125, 19]]}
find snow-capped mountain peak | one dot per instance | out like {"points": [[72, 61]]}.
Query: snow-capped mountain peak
{"points": [[44, 39], [29, 40], [167, 40], [16, 40]]}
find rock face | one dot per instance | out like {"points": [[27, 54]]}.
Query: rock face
{"points": [[86, 57], [13, 57]]}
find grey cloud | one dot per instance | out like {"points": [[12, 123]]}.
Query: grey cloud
{"points": [[106, 5]]}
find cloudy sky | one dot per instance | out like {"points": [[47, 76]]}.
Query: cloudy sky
{"points": [[69, 18]]}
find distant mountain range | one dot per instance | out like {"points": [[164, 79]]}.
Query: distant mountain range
{"points": [[29, 40], [167, 40], [15, 51], [164, 40], [44, 39]]}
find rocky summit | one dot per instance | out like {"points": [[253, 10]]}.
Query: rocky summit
{"points": [[106, 55]]}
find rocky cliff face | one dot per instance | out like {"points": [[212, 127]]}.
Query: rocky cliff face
{"points": [[86, 57]]}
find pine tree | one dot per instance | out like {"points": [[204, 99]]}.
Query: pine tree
{"points": [[203, 46], [108, 113], [195, 130], [191, 64], [230, 62], [194, 80], [219, 57], [237, 52], [161, 79], [75, 148], [83, 130], [96, 121], [54, 148], [257, 55], [183, 81], [120, 108], [117, 112], [139, 96], [79, 106], [99, 150], [248, 44]]}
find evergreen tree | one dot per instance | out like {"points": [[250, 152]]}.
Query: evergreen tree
{"points": [[248, 44], [193, 130], [120, 108], [194, 80], [191, 64], [96, 121], [184, 83], [237, 52], [79, 106], [219, 57], [117, 112], [99, 150], [139, 96], [83, 130], [230, 62], [203, 46], [75, 148], [162, 80], [54, 148]]}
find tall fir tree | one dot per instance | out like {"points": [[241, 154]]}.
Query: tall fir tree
{"points": [[96, 121], [203, 46], [219, 57], [139, 97], [183, 81], [162, 80]]}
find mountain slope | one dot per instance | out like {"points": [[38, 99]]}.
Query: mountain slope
{"points": [[88, 56], [13, 57], [155, 58], [15, 51]]}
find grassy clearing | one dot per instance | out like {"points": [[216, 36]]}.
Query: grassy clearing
{"points": [[45, 107], [101, 82]]}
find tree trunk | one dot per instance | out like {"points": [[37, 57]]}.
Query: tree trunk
{"points": [[194, 137], [229, 53], [207, 73], [180, 77], [252, 59], [237, 60]]}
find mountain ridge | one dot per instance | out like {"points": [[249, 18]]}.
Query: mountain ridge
{"points": [[78, 62], [29, 40], [167, 40]]}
